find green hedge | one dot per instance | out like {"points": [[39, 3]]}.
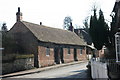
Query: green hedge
{"points": [[24, 56], [11, 57]]}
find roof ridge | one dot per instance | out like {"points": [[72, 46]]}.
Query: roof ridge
{"points": [[46, 26]]}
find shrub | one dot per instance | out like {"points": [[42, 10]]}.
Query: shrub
{"points": [[24, 56], [12, 57]]}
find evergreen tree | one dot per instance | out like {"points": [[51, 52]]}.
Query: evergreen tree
{"points": [[98, 30]]}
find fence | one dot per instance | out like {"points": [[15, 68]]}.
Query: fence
{"points": [[98, 69], [104, 68], [113, 68]]}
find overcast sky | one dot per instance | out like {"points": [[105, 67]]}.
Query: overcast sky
{"points": [[51, 12]]}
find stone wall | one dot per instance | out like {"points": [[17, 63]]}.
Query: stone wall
{"points": [[17, 65]]}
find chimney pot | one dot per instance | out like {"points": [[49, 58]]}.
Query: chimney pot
{"points": [[18, 15], [40, 23], [18, 9]]}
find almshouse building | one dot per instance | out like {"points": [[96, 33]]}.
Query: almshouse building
{"points": [[49, 45]]}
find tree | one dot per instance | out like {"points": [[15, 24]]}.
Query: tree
{"points": [[4, 27], [67, 22], [87, 36], [85, 22], [98, 30]]}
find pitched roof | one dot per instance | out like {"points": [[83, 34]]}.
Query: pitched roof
{"points": [[116, 5], [53, 35], [82, 33]]}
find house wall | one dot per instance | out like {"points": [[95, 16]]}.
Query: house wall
{"points": [[82, 56], [45, 60], [24, 38], [68, 57]]}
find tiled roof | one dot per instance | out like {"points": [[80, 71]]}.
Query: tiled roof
{"points": [[82, 33], [53, 35]]}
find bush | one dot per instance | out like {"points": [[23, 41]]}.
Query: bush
{"points": [[12, 57], [24, 56]]}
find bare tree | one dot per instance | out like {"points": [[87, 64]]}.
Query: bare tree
{"points": [[67, 22], [4, 27]]}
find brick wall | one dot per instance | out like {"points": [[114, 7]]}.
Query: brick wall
{"points": [[45, 60], [68, 57], [82, 56]]}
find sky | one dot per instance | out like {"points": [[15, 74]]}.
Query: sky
{"points": [[52, 12]]}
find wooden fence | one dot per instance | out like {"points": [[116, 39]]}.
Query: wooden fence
{"points": [[98, 70], [105, 68], [113, 68]]}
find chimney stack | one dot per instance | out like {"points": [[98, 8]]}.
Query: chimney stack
{"points": [[40, 23], [18, 15], [18, 9], [71, 28]]}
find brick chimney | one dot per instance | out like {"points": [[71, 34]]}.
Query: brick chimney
{"points": [[18, 15]]}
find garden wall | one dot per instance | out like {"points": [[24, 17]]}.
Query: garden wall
{"points": [[17, 65]]}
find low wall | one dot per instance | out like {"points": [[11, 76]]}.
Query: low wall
{"points": [[17, 65]]}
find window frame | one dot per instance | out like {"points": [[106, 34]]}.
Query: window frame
{"points": [[81, 51], [69, 52], [47, 51], [117, 46]]}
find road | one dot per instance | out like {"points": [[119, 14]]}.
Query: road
{"points": [[72, 71]]}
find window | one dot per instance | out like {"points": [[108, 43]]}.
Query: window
{"points": [[117, 43], [80, 51], [68, 50], [47, 51]]}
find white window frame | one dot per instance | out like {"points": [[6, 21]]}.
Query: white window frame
{"points": [[81, 52], [117, 46], [47, 51]]}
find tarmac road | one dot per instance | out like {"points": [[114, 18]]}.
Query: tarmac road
{"points": [[71, 72]]}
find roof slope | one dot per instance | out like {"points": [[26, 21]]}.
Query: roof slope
{"points": [[53, 35], [116, 6]]}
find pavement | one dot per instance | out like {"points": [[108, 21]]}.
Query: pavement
{"points": [[37, 70]]}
